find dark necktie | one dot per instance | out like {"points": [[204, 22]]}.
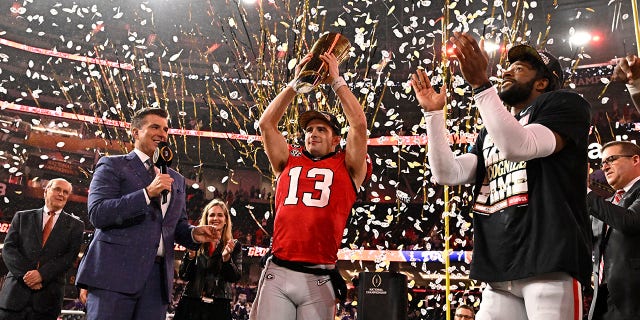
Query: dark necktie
{"points": [[47, 228], [150, 167]]}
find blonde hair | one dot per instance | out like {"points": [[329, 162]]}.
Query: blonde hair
{"points": [[226, 230]]}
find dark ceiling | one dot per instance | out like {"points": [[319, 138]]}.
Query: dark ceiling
{"points": [[216, 64]]}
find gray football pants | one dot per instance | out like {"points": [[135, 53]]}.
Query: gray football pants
{"points": [[284, 294]]}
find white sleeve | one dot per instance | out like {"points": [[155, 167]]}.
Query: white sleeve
{"points": [[445, 166], [634, 92], [515, 142]]}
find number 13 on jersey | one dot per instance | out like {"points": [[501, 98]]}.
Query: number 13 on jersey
{"points": [[322, 179]]}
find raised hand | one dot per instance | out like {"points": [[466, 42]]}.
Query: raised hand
{"points": [[427, 97], [332, 63], [472, 58], [302, 63], [627, 69]]}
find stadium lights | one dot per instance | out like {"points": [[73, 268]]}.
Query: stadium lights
{"points": [[581, 38], [491, 47]]}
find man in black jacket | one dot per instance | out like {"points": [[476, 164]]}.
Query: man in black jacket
{"points": [[617, 263], [529, 166], [40, 246]]}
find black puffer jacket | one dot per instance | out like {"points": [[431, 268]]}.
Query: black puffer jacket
{"points": [[208, 276]]}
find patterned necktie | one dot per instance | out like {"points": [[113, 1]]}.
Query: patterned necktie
{"points": [[47, 228], [150, 167], [616, 200], [618, 196]]}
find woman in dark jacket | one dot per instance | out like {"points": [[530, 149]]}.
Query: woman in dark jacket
{"points": [[211, 270]]}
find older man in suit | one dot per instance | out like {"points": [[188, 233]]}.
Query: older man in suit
{"points": [[617, 269], [128, 268], [41, 245]]}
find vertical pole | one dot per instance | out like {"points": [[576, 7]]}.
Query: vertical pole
{"points": [[636, 27], [447, 204]]}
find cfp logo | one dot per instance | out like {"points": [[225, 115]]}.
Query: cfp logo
{"points": [[376, 281]]}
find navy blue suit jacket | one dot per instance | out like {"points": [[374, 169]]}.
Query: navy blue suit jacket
{"points": [[125, 243]]}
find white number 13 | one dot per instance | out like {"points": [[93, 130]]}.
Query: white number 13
{"points": [[321, 185]]}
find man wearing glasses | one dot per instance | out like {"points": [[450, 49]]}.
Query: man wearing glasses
{"points": [[464, 312], [617, 263]]}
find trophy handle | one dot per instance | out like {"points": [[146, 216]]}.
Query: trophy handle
{"points": [[315, 70]]}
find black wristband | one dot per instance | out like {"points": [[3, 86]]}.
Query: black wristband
{"points": [[482, 88]]}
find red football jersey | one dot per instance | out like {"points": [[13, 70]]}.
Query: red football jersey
{"points": [[313, 201]]}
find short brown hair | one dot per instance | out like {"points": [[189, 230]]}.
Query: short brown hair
{"points": [[468, 307], [628, 148], [138, 118]]}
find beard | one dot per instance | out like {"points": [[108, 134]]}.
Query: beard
{"points": [[517, 93]]}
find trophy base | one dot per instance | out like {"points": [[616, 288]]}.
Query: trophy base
{"points": [[303, 87], [306, 82]]}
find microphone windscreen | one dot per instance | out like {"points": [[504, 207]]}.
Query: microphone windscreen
{"points": [[163, 154]]}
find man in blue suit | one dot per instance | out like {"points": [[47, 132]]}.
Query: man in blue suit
{"points": [[128, 268]]}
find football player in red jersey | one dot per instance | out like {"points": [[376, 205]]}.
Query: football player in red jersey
{"points": [[316, 188]]}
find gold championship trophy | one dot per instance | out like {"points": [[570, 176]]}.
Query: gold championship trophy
{"points": [[315, 70]]}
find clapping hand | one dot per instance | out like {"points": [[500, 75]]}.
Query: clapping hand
{"points": [[472, 57], [228, 249], [627, 69]]}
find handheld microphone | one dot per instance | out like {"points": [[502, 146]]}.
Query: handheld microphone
{"points": [[162, 158]]}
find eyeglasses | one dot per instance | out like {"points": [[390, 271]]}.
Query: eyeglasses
{"points": [[610, 159], [463, 316], [60, 190]]}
